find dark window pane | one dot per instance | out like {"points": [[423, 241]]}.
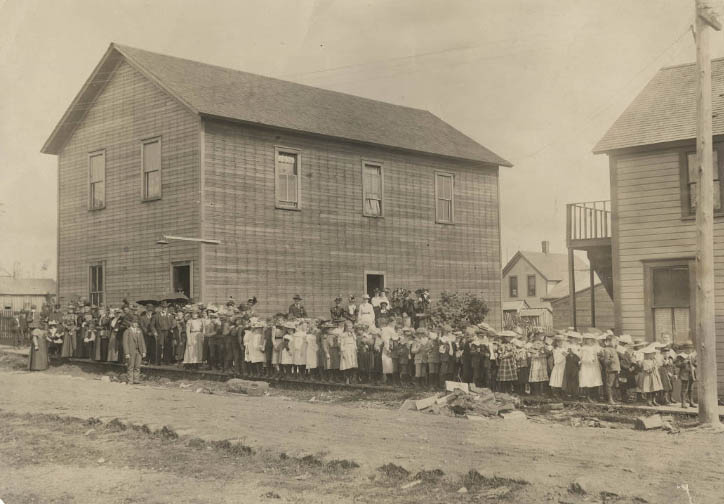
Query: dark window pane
{"points": [[671, 287]]}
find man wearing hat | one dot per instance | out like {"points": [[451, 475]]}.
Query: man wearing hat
{"points": [[296, 309], [612, 366], [162, 323], [337, 311], [135, 349], [144, 322]]}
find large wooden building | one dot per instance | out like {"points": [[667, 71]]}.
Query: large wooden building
{"points": [[308, 191], [651, 243]]}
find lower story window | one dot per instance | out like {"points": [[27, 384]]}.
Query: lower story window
{"points": [[670, 302], [96, 294]]}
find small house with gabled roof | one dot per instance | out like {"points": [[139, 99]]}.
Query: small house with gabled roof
{"points": [[290, 188]]}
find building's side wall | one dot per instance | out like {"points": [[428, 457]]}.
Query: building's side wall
{"points": [[650, 226], [522, 269], [17, 302], [325, 249], [124, 234], [604, 310]]}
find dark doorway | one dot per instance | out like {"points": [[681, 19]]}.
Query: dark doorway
{"points": [[374, 282], [182, 278]]}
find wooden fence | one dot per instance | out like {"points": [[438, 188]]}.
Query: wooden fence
{"points": [[8, 327]]}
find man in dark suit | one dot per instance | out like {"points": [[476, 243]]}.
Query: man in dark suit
{"points": [[162, 323], [134, 348], [296, 309]]}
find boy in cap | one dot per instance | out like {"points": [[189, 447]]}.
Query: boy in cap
{"points": [[686, 369], [134, 347], [612, 366]]}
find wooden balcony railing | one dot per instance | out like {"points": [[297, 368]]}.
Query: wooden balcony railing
{"points": [[588, 221]]}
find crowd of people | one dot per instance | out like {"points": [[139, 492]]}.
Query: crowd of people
{"points": [[370, 343]]}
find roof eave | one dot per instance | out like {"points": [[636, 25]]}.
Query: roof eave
{"points": [[482, 163]]}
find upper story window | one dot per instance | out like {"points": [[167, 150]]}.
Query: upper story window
{"points": [[151, 160], [513, 286], [288, 177], [689, 192], [531, 285], [372, 187], [97, 180], [96, 284], [444, 199]]}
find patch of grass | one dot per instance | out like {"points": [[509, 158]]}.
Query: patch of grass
{"points": [[311, 461], [473, 479], [430, 476], [393, 471], [343, 464]]}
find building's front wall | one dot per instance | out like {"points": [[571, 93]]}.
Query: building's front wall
{"points": [[522, 269], [123, 234], [604, 310], [325, 249], [647, 206]]}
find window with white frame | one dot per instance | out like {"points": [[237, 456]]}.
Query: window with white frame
{"points": [[288, 178], [444, 200], [96, 286], [151, 160], [97, 180], [372, 189]]}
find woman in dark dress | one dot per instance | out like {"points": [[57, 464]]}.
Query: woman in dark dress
{"points": [[38, 355], [570, 372]]}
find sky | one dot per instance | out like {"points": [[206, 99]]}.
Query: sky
{"points": [[538, 82]]}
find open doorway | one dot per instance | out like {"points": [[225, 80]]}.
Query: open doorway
{"points": [[374, 280], [181, 277]]}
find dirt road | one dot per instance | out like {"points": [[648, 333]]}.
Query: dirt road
{"points": [[644, 465]]}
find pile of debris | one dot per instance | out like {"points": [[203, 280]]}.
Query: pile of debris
{"points": [[462, 399]]}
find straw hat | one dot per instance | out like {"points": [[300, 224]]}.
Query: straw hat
{"points": [[649, 350], [625, 339], [508, 334]]}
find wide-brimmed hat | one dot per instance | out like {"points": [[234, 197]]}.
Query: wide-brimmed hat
{"points": [[297, 297], [625, 339], [365, 296], [590, 336], [289, 325], [508, 334], [650, 349]]}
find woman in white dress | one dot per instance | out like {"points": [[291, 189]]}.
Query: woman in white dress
{"points": [[559, 365], [194, 340], [366, 313], [348, 353], [256, 352], [589, 376], [311, 353], [299, 349]]}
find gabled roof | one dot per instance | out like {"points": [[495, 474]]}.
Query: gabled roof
{"points": [[10, 286], [583, 283], [220, 92], [518, 305], [552, 267], [665, 110]]}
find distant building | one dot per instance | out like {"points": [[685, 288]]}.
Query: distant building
{"points": [[531, 276], [304, 190], [19, 293]]}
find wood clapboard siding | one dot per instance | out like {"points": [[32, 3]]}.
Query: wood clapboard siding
{"points": [[604, 309], [123, 234], [324, 249], [648, 190]]}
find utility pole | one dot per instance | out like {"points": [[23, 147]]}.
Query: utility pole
{"points": [[705, 308]]}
